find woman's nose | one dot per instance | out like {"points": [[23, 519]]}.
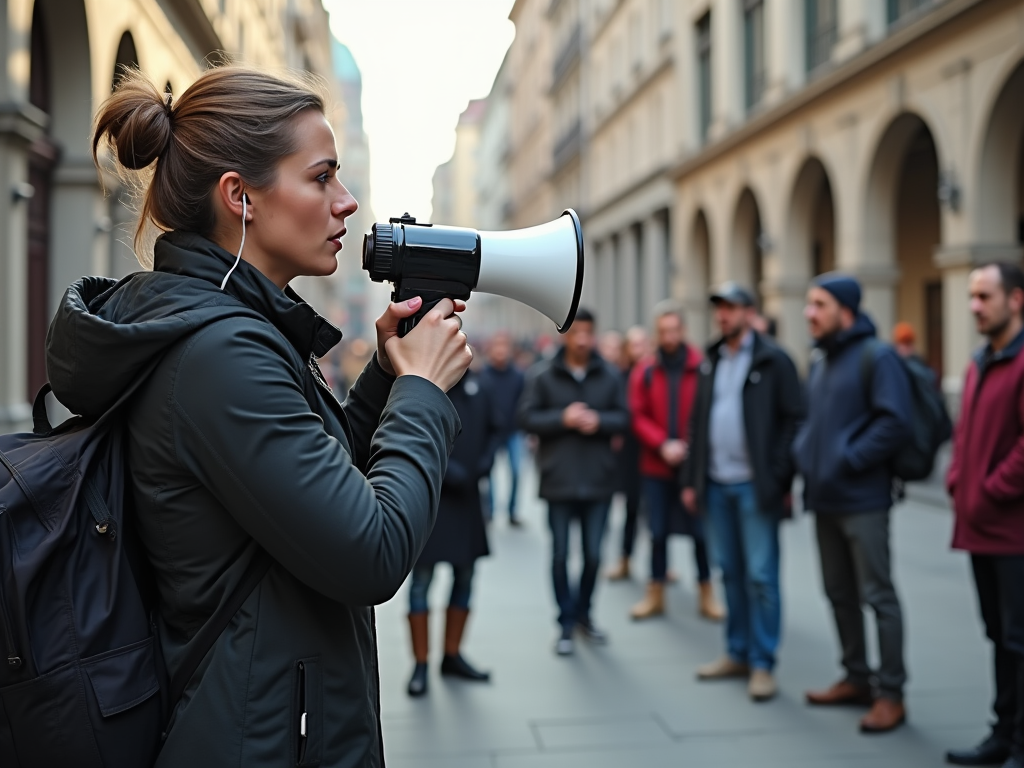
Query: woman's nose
{"points": [[345, 205]]}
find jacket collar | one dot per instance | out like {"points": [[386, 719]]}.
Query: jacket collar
{"points": [[596, 362], [984, 358], [191, 255]]}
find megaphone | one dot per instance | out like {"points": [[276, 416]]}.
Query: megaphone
{"points": [[540, 266]]}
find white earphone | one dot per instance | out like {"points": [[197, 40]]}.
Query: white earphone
{"points": [[224, 282]]}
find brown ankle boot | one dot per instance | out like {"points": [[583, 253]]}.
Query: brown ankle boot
{"points": [[420, 637], [453, 662], [621, 571], [708, 606], [653, 603], [884, 716], [419, 634]]}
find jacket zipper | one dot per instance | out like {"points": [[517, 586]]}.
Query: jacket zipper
{"points": [[13, 657], [302, 713]]}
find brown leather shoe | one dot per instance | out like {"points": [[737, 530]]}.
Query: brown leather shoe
{"points": [[884, 716], [842, 693]]}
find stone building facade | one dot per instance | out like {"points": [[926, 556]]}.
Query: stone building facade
{"points": [[771, 140], [61, 59]]}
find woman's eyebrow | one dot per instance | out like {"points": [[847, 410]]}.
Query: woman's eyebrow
{"points": [[329, 162]]}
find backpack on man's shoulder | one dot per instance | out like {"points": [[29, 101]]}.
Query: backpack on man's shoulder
{"points": [[82, 682], [930, 422]]}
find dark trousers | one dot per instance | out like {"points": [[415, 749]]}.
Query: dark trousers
{"points": [[663, 501], [1000, 583], [856, 569], [632, 493], [574, 604], [423, 575]]}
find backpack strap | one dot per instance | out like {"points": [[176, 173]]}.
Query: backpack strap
{"points": [[207, 636]]}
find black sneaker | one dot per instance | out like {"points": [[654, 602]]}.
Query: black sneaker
{"points": [[992, 751], [565, 646], [418, 682], [592, 633]]}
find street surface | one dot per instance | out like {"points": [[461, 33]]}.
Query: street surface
{"points": [[636, 702]]}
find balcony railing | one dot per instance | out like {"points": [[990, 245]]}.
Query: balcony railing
{"points": [[568, 55], [567, 147]]}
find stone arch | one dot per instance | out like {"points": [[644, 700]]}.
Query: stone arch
{"points": [[810, 246], [700, 275], [746, 249], [903, 227], [999, 178]]}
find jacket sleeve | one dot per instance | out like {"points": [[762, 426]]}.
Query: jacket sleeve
{"points": [[650, 434], [790, 405], [244, 429], [890, 406], [1006, 481], [615, 420], [688, 469], [536, 416], [953, 473], [363, 407]]}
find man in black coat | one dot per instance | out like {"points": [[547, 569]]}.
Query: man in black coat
{"points": [[739, 473], [575, 403], [459, 536]]}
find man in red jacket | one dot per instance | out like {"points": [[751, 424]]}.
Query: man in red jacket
{"points": [[986, 481], [661, 393]]}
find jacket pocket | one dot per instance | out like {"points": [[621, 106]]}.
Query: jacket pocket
{"points": [[307, 720]]}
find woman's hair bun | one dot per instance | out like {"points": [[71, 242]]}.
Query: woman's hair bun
{"points": [[137, 121]]}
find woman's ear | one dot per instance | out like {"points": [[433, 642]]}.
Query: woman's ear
{"points": [[230, 191]]}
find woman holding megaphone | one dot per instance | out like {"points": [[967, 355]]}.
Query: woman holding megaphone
{"points": [[242, 461]]}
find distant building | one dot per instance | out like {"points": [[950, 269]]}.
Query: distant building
{"points": [[768, 141]]}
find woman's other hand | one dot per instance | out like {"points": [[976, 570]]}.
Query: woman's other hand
{"points": [[435, 349], [387, 327]]}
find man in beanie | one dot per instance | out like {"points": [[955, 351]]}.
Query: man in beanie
{"points": [[853, 428]]}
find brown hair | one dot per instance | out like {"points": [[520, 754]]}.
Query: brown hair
{"points": [[232, 118]]}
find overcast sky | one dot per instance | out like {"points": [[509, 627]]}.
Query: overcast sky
{"points": [[422, 61]]}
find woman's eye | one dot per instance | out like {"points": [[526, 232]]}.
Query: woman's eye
{"points": [[323, 177]]}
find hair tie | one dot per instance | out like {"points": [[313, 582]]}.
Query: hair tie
{"points": [[167, 103]]}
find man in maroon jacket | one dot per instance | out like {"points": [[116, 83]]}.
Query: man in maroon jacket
{"points": [[986, 481], [661, 392]]}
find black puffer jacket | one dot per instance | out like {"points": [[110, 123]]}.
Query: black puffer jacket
{"points": [[228, 457], [574, 466]]}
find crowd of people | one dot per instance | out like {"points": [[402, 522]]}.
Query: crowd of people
{"points": [[709, 443]]}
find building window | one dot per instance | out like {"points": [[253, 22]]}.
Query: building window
{"points": [[704, 74], [636, 42], [896, 10], [820, 18], [664, 19], [753, 52]]}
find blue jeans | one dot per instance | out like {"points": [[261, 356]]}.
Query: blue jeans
{"points": [[747, 549], [574, 604], [422, 575], [512, 446], [662, 497]]}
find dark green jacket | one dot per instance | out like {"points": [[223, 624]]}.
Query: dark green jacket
{"points": [[227, 456]]}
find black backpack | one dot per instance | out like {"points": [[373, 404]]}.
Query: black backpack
{"points": [[82, 682], [930, 422]]}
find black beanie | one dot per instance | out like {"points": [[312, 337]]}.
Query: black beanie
{"points": [[845, 289]]}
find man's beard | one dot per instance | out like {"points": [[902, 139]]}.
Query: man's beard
{"points": [[997, 329], [734, 334]]}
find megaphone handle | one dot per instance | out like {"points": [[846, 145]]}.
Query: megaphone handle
{"points": [[406, 324]]}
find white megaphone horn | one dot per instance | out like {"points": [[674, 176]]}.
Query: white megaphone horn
{"points": [[540, 266]]}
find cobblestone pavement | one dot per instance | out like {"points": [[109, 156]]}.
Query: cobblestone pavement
{"points": [[635, 701]]}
